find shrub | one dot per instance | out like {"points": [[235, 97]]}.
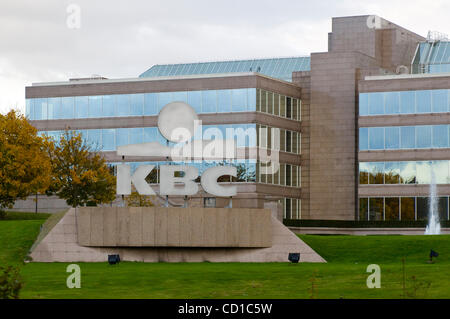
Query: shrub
{"points": [[10, 282]]}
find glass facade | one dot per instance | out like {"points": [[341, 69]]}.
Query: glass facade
{"points": [[279, 68], [432, 57], [291, 208], [404, 137], [404, 102], [411, 172], [287, 175], [400, 208], [149, 104], [246, 169]]}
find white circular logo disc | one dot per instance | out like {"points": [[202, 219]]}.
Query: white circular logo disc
{"points": [[177, 115]]}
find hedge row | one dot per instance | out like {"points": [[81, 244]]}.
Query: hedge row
{"points": [[359, 223]]}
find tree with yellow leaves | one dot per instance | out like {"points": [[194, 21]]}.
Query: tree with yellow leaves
{"points": [[24, 164], [80, 175]]}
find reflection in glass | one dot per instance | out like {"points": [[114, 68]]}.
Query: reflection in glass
{"points": [[363, 208], [376, 103], [363, 104], [376, 173], [392, 137], [136, 104], [363, 173], [440, 100], [392, 208], [407, 134], [376, 208], [108, 105], [81, 107], [407, 208], [95, 106], [423, 172], [209, 101], [407, 102], [423, 136], [440, 135], [391, 173], [422, 208], [407, 172], [363, 138], [376, 138], [423, 101], [392, 103]]}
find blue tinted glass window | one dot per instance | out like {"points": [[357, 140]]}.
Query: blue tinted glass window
{"points": [[81, 107], [251, 99], [40, 109], [95, 139], [209, 101], [392, 103], [150, 104], [109, 105], [423, 136], [108, 138], [440, 100], [376, 138], [376, 103], [54, 108], [223, 101], [123, 104], [136, 135], [163, 99], [136, 104], [180, 96], [195, 100], [150, 134], [363, 138], [392, 137], [363, 104], [407, 137], [121, 136], [423, 99], [95, 106], [407, 102], [28, 107], [239, 100], [440, 135], [67, 106]]}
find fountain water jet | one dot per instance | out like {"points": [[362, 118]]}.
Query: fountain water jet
{"points": [[433, 227]]}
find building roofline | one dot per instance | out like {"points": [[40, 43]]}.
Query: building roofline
{"points": [[406, 76]]}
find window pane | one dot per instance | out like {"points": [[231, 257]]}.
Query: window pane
{"points": [[363, 104], [440, 100], [407, 208], [40, 109], [407, 137], [195, 100], [407, 102], [270, 102], [376, 138], [54, 108], [407, 172], [136, 135], [423, 136], [422, 208], [391, 173], [251, 99], [95, 106], [363, 138], [239, 100], [223, 101], [440, 135], [149, 134], [376, 209], [423, 101], [122, 136], [209, 101], [363, 173], [376, 103], [95, 139], [440, 170], [179, 96], [108, 105], [123, 104], [376, 173], [392, 137], [81, 107], [136, 104], [108, 140], [392, 208], [423, 172], [392, 103], [150, 104], [363, 208], [163, 99]]}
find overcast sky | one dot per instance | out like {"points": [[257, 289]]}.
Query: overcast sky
{"points": [[118, 39]]}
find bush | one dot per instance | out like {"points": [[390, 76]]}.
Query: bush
{"points": [[10, 282], [360, 223], [2, 214]]}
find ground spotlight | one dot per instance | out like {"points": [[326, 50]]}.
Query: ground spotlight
{"points": [[294, 257], [113, 259]]}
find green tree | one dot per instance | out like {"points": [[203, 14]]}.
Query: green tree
{"points": [[24, 164], [137, 200], [80, 175]]}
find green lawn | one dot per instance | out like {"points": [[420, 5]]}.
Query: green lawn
{"points": [[344, 276]]}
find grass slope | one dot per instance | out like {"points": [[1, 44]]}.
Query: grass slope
{"points": [[344, 276]]}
